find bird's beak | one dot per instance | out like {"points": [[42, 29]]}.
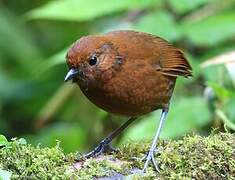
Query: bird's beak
{"points": [[71, 74]]}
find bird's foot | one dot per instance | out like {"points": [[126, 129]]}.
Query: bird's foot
{"points": [[155, 151], [150, 157], [102, 148]]}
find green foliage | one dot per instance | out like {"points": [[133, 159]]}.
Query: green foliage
{"points": [[3, 140], [157, 23], [34, 39], [73, 136], [212, 30], [58, 58], [79, 10], [225, 112], [24, 161], [221, 92], [227, 122], [24, 51], [185, 6], [175, 125], [193, 157]]}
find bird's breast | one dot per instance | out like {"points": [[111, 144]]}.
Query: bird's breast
{"points": [[131, 91]]}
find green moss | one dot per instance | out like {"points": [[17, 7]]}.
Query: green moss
{"points": [[25, 161], [195, 157]]}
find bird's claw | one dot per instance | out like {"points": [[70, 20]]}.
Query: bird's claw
{"points": [[100, 149], [150, 157], [146, 155]]}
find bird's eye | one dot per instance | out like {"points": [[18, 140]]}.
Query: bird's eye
{"points": [[93, 61]]}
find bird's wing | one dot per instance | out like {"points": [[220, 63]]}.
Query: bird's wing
{"points": [[168, 59], [171, 60]]}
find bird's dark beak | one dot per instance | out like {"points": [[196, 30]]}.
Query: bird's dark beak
{"points": [[71, 74]]}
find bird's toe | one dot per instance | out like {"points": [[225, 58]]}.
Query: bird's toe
{"points": [[100, 149], [150, 157]]}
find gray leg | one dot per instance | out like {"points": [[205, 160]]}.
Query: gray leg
{"points": [[150, 155]]}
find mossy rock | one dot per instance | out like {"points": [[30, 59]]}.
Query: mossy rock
{"points": [[193, 157]]}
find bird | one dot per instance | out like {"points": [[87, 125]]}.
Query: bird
{"points": [[127, 73]]}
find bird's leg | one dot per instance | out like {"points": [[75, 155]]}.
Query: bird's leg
{"points": [[150, 155], [104, 145]]}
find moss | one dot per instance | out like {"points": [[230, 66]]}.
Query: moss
{"points": [[195, 157], [25, 161]]}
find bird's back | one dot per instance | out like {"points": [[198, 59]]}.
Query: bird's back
{"points": [[167, 59]]}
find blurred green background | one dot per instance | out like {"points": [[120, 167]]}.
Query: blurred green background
{"points": [[36, 104]]}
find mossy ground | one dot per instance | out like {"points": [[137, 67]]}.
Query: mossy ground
{"points": [[195, 157]]}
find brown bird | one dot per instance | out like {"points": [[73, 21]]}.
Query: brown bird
{"points": [[127, 73]]}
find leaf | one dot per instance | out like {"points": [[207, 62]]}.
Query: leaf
{"points": [[56, 59], [80, 10], [16, 42], [228, 59], [184, 6], [3, 140], [225, 119], [159, 23], [224, 58], [212, 30], [229, 109], [185, 115], [220, 91], [5, 175]]}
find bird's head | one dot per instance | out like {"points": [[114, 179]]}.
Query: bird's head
{"points": [[90, 58]]}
